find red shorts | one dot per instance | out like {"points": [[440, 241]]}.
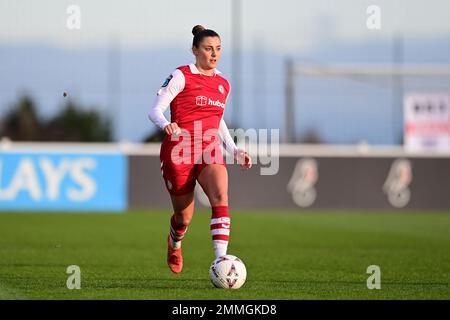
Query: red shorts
{"points": [[180, 169]]}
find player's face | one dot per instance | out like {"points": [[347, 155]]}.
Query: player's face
{"points": [[208, 53]]}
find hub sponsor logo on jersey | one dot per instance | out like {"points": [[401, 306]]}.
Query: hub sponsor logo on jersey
{"points": [[203, 101]]}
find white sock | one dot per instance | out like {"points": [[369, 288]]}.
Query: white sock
{"points": [[220, 230], [176, 233], [220, 248], [175, 244]]}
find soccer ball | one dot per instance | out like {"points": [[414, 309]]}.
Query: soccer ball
{"points": [[228, 272]]}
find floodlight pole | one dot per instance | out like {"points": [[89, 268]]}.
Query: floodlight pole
{"points": [[290, 102], [236, 62], [114, 85], [259, 83], [397, 108]]}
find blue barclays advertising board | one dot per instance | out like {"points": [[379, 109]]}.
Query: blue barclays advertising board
{"points": [[63, 181]]}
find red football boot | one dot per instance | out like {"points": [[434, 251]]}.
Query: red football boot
{"points": [[174, 258]]}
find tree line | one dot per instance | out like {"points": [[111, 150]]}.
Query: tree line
{"points": [[71, 123]]}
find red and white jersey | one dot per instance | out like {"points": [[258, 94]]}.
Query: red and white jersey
{"points": [[194, 98], [202, 99]]}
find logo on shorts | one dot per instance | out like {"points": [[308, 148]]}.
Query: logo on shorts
{"points": [[221, 89], [201, 101]]}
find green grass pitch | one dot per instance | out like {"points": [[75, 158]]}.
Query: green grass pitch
{"points": [[289, 255]]}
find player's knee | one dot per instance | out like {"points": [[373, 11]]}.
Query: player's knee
{"points": [[219, 199], [186, 221], [183, 218]]}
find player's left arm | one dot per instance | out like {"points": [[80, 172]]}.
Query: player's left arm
{"points": [[240, 155]]}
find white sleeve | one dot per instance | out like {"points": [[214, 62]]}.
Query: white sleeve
{"points": [[224, 135], [173, 85]]}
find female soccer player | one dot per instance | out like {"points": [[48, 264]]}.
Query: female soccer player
{"points": [[190, 152]]}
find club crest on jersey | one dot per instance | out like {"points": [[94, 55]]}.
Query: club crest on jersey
{"points": [[221, 89], [166, 82]]}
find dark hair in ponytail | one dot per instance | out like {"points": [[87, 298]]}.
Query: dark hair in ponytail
{"points": [[200, 32]]}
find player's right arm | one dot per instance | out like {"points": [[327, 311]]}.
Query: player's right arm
{"points": [[171, 87]]}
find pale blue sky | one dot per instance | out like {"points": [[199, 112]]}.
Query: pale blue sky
{"points": [[287, 25]]}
